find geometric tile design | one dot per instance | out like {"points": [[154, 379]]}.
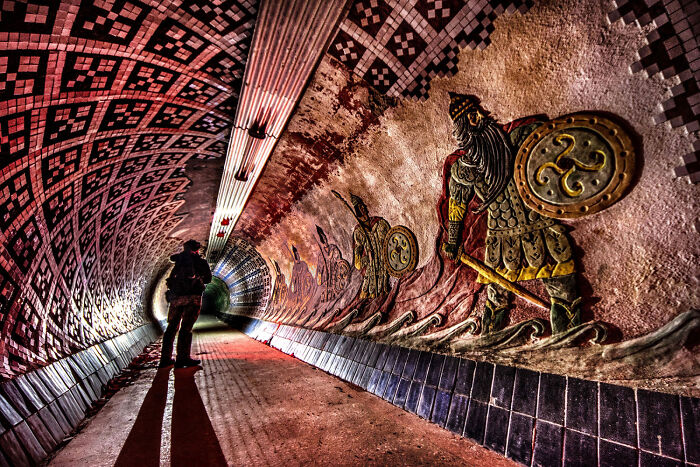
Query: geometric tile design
{"points": [[22, 73], [672, 51], [151, 78], [398, 47], [199, 91], [14, 137], [211, 123], [173, 41], [116, 21], [85, 72], [67, 121], [171, 116], [57, 167], [28, 16], [123, 114], [15, 196]]}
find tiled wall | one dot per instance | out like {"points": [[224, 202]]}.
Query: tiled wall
{"points": [[246, 275], [101, 106], [533, 418], [398, 46], [41, 407]]}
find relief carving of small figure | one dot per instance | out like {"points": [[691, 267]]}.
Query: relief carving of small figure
{"points": [[332, 271], [368, 240]]}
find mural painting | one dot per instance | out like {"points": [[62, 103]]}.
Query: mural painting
{"points": [[502, 244]]}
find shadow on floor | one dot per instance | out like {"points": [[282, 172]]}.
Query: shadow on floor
{"points": [[193, 440]]}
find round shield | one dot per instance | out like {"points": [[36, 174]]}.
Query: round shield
{"points": [[341, 276], [400, 251], [574, 165]]}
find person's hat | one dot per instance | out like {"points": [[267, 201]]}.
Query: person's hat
{"points": [[192, 245], [460, 103]]}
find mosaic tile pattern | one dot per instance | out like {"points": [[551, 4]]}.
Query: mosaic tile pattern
{"points": [[101, 106], [247, 277], [399, 46], [673, 51]]}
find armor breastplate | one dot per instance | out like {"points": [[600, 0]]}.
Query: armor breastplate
{"points": [[508, 215]]}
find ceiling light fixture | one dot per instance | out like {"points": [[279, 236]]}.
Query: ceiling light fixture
{"points": [[289, 40]]}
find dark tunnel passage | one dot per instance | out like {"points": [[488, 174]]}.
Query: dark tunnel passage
{"points": [[215, 299]]}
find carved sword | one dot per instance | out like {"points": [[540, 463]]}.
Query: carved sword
{"points": [[493, 276]]}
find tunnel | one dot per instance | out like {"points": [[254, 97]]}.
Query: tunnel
{"points": [[439, 232]]}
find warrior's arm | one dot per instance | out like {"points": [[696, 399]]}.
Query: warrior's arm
{"points": [[460, 194], [359, 249]]}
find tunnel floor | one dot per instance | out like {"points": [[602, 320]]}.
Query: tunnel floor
{"points": [[250, 404]]}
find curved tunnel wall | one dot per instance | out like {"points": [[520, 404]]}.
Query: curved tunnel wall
{"points": [[247, 277], [101, 106]]}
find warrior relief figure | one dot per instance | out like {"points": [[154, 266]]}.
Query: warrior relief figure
{"points": [[521, 244], [368, 240], [279, 292], [332, 271]]}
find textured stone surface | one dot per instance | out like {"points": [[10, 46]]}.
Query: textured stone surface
{"points": [[638, 259]]}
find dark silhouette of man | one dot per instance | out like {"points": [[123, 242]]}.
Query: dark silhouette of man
{"points": [[186, 284]]}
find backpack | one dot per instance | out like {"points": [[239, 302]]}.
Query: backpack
{"points": [[183, 280]]}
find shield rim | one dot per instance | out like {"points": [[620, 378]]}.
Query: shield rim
{"points": [[412, 244], [624, 153]]}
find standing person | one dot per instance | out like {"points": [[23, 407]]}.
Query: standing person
{"points": [[186, 283]]}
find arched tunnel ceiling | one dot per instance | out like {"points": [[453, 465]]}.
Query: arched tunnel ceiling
{"points": [[109, 108], [102, 105]]}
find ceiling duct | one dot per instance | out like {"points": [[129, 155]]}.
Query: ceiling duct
{"points": [[290, 38]]}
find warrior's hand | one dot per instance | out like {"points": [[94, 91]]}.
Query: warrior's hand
{"points": [[451, 251]]}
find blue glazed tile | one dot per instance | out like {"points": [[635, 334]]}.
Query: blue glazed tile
{"points": [[520, 438], [525, 391], [660, 423], [383, 354], [391, 386], [582, 406], [411, 363], [618, 414], [373, 354], [41, 432], [616, 455], [10, 446], [422, 366], [647, 459], [496, 429], [401, 358], [366, 375], [549, 444], [550, 404], [483, 376], [441, 407], [449, 374], [413, 396], [435, 370], [690, 410], [579, 450], [458, 414], [425, 406], [381, 385], [476, 421], [391, 358], [374, 380], [502, 390], [402, 392], [465, 375], [8, 415]]}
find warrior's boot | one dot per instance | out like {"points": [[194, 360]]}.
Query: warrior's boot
{"points": [[564, 316], [494, 317]]}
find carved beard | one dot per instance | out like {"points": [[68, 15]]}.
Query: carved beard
{"points": [[488, 150]]}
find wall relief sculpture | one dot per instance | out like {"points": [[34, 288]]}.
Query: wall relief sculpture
{"points": [[502, 282]]}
